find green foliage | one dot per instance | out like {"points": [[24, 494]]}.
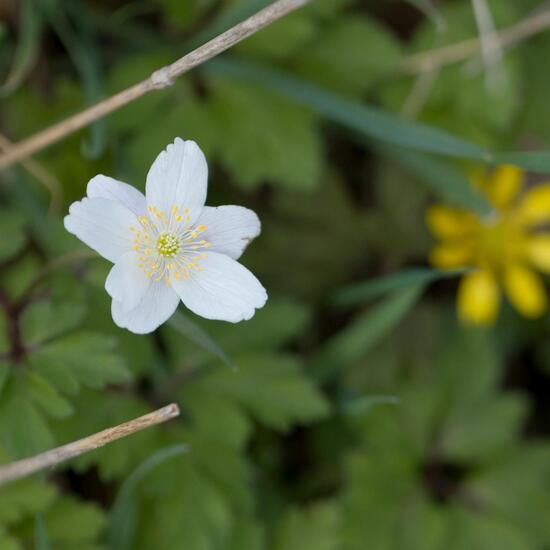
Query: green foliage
{"points": [[357, 413]]}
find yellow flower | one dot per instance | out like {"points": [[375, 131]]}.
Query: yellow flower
{"points": [[506, 247]]}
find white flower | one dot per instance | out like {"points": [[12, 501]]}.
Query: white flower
{"points": [[168, 246]]}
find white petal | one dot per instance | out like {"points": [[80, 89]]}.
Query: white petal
{"points": [[157, 305], [229, 228], [104, 187], [126, 282], [223, 290], [178, 177], [103, 225]]}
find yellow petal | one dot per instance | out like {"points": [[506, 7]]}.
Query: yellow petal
{"points": [[525, 290], [450, 223], [503, 186], [535, 205], [478, 298], [450, 256], [538, 252]]}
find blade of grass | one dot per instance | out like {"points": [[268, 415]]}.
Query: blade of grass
{"points": [[374, 288], [82, 49], [27, 49], [122, 524], [348, 346], [182, 324], [368, 121], [447, 183], [41, 539]]}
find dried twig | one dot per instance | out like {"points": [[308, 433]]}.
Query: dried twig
{"points": [[49, 181], [491, 50], [28, 466], [427, 61], [158, 80]]}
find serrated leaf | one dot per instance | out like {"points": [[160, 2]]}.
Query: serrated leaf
{"points": [[340, 58], [85, 358], [271, 388], [288, 154]]}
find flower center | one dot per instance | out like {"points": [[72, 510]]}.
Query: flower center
{"points": [[168, 245], [501, 242]]}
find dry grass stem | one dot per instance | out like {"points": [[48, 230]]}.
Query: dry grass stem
{"points": [[49, 181], [28, 466], [432, 59], [158, 80]]}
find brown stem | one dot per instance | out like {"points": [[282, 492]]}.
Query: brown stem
{"points": [[28, 466]]}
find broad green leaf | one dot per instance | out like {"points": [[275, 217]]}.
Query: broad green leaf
{"points": [[123, 514], [311, 528], [12, 223], [340, 56], [82, 358], [270, 388], [289, 154], [348, 346], [366, 120], [24, 498]]}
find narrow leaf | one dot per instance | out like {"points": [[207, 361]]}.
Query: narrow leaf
{"points": [[185, 326], [122, 523], [41, 539], [379, 286], [348, 346], [369, 121]]}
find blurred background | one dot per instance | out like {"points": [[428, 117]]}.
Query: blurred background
{"points": [[366, 412]]}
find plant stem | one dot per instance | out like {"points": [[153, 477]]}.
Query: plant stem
{"points": [[160, 79], [28, 466], [432, 59]]}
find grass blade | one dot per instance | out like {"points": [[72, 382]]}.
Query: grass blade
{"points": [[191, 330], [373, 288], [368, 121], [123, 518], [348, 346]]}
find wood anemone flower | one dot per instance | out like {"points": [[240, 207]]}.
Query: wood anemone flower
{"points": [[167, 246]]}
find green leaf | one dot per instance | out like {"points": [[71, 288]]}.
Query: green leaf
{"points": [[46, 396], [364, 404], [123, 514], [312, 528], [270, 387], [182, 324], [348, 346], [366, 120], [448, 184], [24, 498], [289, 153], [340, 57], [28, 47], [380, 286], [12, 223], [83, 358], [41, 538], [74, 524]]}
